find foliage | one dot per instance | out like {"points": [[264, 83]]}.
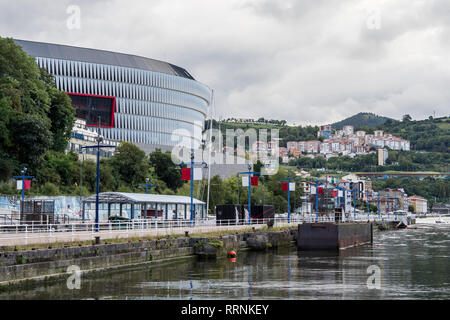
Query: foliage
{"points": [[434, 190], [165, 169], [130, 164], [431, 134], [397, 161], [34, 116], [362, 119]]}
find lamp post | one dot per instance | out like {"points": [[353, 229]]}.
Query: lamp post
{"points": [[146, 185], [289, 191], [317, 199], [249, 173], [192, 164], [23, 176], [98, 147]]}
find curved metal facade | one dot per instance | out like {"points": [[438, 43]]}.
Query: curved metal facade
{"points": [[149, 105]]}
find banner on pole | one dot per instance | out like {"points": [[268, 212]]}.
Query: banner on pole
{"points": [[19, 184], [245, 181], [292, 186], [185, 174], [320, 190], [284, 186], [340, 193], [198, 175], [313, 190], [254, 181], [334, 193], [27, 184]]}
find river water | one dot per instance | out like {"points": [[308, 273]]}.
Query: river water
{"points": [[413, 264]]}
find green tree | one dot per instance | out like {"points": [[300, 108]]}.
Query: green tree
{"points": [[130, 164], [165, 169]]}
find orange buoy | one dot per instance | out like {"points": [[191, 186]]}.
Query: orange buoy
{"points": [[232, 254]]}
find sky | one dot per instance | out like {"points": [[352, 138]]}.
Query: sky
{"points": [[307, 62]]}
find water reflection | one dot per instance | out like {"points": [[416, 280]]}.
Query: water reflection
{"points": [[413, 263]]}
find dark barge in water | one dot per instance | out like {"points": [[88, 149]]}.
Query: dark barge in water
{"points": [[333, 236]]}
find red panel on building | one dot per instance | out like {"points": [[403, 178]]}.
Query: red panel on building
{"points": [[185, 173], [254, 181]]}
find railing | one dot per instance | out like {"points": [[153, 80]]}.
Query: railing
{"points": [[24, 233]]}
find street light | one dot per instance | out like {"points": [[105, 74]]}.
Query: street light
{"points": [[23, 176], [146, 185], [98, 147], [192, 164]]}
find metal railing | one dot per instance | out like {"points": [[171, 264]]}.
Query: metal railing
{"points": [[142, 227]]}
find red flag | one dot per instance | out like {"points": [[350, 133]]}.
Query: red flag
{"points": [[254, 181], [320, 190], [27, 184], [284, 186], [334, 193], [185, 173]]}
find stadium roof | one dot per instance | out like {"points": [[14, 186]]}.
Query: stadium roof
{"points": [[118, 197], [64, 52]]}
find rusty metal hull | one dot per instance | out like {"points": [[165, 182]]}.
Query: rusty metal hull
{"points": [[333, 236]]}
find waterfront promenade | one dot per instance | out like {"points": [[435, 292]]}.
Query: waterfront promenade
{"points": [[26, 235], [19, 235]]}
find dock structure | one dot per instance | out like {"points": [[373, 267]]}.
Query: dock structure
{"points": [[333, 236]]}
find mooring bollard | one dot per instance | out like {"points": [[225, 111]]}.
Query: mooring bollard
{"points": [[97, 240]]}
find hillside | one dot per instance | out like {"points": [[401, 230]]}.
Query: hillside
{"points": [[362, 119], [424, 135]]}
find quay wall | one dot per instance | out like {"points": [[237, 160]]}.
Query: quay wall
{"points": [[43, 264]]}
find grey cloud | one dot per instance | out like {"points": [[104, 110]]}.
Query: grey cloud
{"points": [[304, 61]]}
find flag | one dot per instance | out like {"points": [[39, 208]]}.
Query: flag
{"points": [[320, 190], [198, 174], [254, 181], [245, 181], [27, 184], [19, 184], [185, 173], [334, 193], [292, 186], [284, 186]]}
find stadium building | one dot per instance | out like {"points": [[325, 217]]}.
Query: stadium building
{"points": [[126, 97]]}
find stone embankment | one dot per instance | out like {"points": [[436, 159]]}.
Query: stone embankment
{"points": [[41, 264]]}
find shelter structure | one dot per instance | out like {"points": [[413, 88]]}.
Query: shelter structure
{"points": [[142, 206]]}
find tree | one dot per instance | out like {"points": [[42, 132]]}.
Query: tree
{"points": [[165, 169], [130, 164], [61, 114], [406, 118], [411, 208], [34, 115]]}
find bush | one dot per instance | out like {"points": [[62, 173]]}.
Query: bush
{"points": [[50, 189]]}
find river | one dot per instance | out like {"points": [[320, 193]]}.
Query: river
{"points": [[413, 264]]}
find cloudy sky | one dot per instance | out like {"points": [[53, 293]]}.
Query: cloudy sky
{"points": [[308, 62]]}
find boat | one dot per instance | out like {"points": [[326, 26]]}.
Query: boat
{"points": [[402, 224], [440, 220]]}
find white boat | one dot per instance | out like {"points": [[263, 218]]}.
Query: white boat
{"points": [[440, 220]]}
